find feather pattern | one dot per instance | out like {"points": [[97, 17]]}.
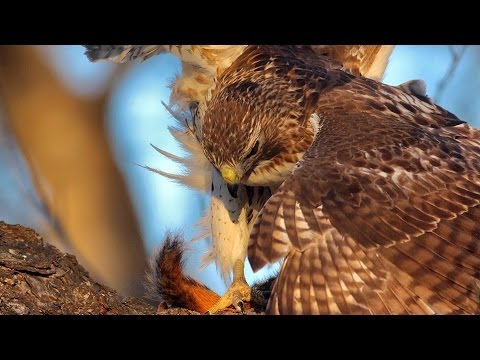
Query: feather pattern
{"points": [[335, 273], [385, 201]]}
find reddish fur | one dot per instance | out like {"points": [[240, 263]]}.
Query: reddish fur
{"points": [[169, 282], [203, 297]]}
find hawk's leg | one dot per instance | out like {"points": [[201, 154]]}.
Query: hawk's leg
{"points": [[237, 294]]}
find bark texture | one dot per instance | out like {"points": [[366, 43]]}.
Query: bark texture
{"points": [[36, 278]]}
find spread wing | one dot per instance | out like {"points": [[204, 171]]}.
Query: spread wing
{"points": [[122, 53], [382, 213], [202, 63]]}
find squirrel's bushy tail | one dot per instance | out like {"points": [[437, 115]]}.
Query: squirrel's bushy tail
{"points": [[168, 281]]}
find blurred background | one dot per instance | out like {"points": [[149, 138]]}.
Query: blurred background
{"points": [[72, 134]]}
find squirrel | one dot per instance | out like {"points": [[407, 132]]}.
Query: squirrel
{"points": [[167, 281]]}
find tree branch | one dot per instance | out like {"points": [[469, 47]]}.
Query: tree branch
{"points": [[36, 278]]}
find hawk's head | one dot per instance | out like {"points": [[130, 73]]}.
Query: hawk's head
{"points": [[255, 127]]}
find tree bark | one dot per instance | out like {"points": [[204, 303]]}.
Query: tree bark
{"points": [[36, 278]]}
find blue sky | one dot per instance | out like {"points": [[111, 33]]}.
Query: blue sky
{"points": [[135, 118]]}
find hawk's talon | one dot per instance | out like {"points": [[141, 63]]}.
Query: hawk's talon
{"points": [[237, 295]]}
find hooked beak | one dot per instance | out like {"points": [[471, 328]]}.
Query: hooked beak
{"points": [[229, 174]]}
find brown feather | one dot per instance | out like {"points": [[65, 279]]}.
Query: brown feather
{"points": [[379, 214]]}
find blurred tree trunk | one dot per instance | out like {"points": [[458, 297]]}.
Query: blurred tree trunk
{"points": [[63, 139]]}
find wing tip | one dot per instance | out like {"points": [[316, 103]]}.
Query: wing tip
{"points": [[91, 52]]}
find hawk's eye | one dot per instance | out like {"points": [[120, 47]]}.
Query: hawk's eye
{"points": [[253, 151]]}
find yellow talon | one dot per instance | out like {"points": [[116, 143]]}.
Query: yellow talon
{"points": [[237, 294]]}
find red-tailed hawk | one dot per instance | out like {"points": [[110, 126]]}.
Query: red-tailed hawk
{"points": [[380, 213]]}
